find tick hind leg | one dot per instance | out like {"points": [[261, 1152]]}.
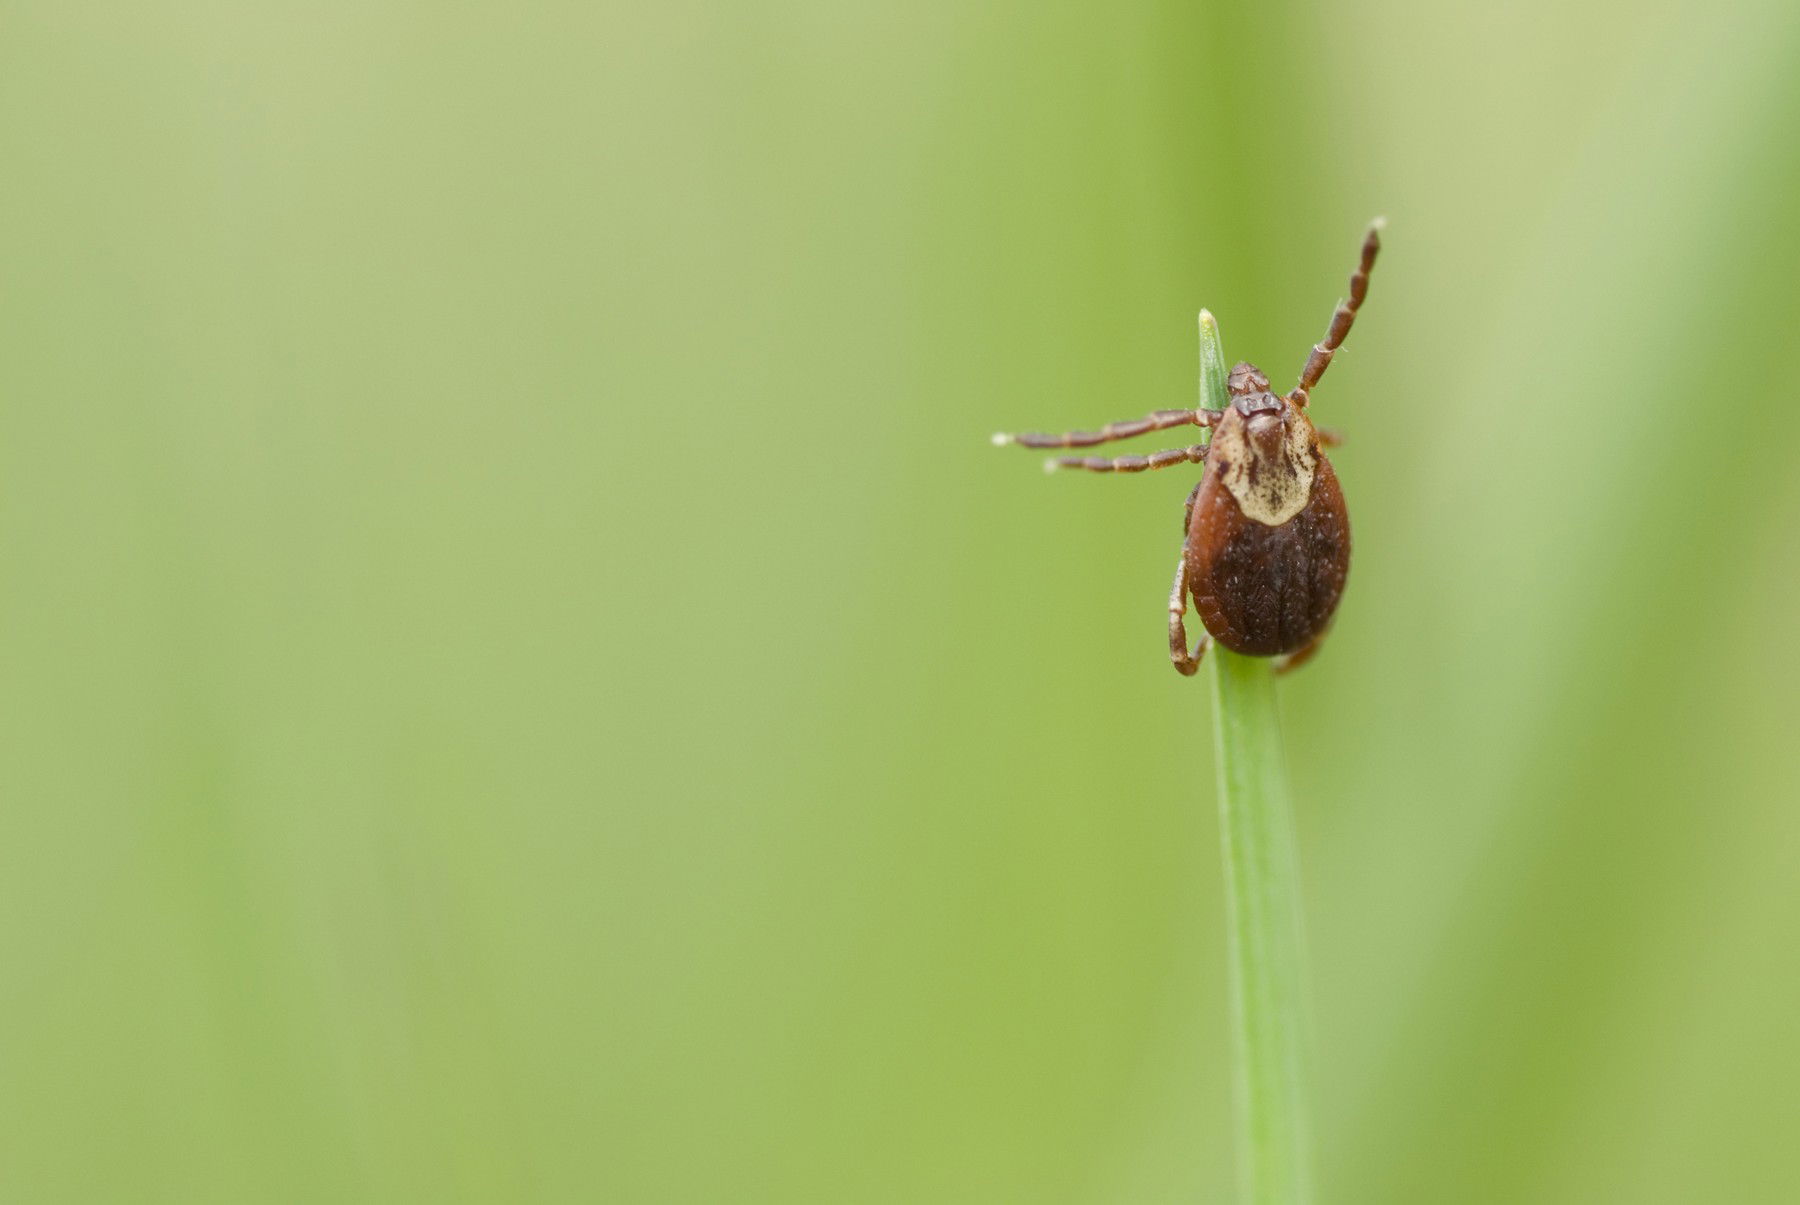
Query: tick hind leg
{"points": [[1301, 655], [1185, 663]]}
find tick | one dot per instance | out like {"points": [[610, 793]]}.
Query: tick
{"points": [[1267, 545]]}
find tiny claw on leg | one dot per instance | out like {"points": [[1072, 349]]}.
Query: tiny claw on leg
{"points": [[1188, 666]]}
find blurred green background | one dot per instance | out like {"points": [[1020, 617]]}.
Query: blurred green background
{"points": [[523, 679]]}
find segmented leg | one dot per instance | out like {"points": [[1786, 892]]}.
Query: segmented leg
{"points": [[1162, 420], [1185, 664], [1320, 359], [1300, 656], [1129, 464], [1329, 437], [1187, 511]]}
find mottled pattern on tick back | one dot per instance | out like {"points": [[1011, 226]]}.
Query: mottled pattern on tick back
{"points": [[1271, 483]]}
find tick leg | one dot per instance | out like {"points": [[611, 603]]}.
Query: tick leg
{"points": [[1320, 359], [1129, 464], [1329, 436], [1184, 664], [1162, 420], [1187, 511], [1299, 656]]}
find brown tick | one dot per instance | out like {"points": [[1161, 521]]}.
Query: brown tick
{"points": [[1268, 538]]}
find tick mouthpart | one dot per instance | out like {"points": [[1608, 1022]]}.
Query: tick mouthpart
{"points": [[1267, 434], [1246, 378]]}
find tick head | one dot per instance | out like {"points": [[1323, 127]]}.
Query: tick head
{"points": [[1250, 394], [1264, 415], [1246, 380]]}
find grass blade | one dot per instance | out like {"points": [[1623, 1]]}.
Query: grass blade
{"points": [[1262, 885]]}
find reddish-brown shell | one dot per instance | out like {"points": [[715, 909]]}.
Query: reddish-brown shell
{"points": [[1262, 590]]}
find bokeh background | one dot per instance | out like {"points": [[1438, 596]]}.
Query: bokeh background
{"points": [[521, 678]]}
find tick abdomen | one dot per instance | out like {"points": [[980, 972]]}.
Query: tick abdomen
{"points": [[1266, 590]]}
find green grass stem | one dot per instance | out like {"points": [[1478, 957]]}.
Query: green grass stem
{"points": [[1262, 887]]}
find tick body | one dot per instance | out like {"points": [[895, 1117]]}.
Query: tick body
{"points": [[1266, 546]]}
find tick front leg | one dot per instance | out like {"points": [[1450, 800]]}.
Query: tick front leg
{"points": [[1129, 464], [1185, 664], [1162, 420], [1300, 656], [1341, 318]]}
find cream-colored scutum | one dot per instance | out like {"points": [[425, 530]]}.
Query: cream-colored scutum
{"points": [[1272, 490]]}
